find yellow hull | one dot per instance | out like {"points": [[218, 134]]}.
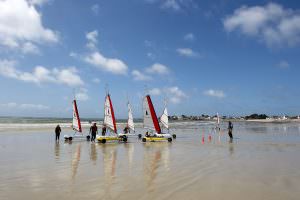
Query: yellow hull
{"points": [[104, 139], [156, 139]]}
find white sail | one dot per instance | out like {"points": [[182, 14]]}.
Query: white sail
{"points": [[164, 119], [218, 119], [130, 122], [76, 125], [147, 115], [109, 118]]}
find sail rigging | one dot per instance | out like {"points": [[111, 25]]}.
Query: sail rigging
{"points": [[109, 115], [150, 118], [76, 124], [130, 122]]}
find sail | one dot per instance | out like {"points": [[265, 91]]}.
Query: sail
{"points": [[150, 118], [76, 125], [130, 123], [164, 119], [218, 119], [109, 115]]}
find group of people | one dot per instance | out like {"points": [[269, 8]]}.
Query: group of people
{"points": [[94, 131]]}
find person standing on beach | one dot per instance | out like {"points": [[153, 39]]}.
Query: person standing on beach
{"points": [[104, 130], [93, 131], [230, 128], [57, 132]]}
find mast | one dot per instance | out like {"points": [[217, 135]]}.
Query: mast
{"points": [[150, 117], [76, 124]]}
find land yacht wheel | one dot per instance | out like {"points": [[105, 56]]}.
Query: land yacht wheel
{"points": [[140, 136], [70, 138], [144, 140], [124, 139], [169, 139], [103, 141], [174, 136]]}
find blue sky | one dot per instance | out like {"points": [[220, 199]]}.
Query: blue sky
{"points": [[231, 57]]}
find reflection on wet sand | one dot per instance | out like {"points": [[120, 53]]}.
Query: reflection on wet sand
{"points": [[109, 152], [93, 153], [130, 150], [75, 161], [57, 150], [154, 154]]}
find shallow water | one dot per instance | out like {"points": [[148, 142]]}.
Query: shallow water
{"points": [[262, 163]]}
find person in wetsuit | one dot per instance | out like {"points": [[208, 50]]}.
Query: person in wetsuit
{"points": [[93, 131], [126, 130], [103, 130], [57, 132], [230, 128]]}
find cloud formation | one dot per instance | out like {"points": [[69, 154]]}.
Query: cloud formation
{"points": [[67, 76], [97, 59], [139, 76], [24, 106], [187, 52], [214, 93], [272, 24], [158, 68], [21, 25], [82, 94], [174, 5], [189, 37]]}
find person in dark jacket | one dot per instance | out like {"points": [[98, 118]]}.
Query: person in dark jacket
{"points": [[93, 131], [57, 132], [104, 130], [230, 129], [126, 130]]}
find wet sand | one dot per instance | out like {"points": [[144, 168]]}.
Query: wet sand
{"points": [[262, 163]]}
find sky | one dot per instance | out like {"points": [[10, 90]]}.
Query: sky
{"points": [[232, 57]]}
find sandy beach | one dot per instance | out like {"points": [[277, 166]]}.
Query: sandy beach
{"points": [[261, 163]]}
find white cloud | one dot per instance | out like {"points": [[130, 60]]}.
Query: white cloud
{"points": [[214, 93], [82, 94], [283, 64], [29, 48], [68, 76], [95, 9], [24, 106], [139, 76], [158, 68], [21, 24], [38, 2], [92, 39], [97, 59], [175, 5], [112, 65], [189, 37], [187, 52], [96, 80], [273, 24], [175, 94], [155, 91]]}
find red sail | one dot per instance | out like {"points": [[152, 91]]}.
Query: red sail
{"points": [[153, 115], [77, 116], [112, 114]]}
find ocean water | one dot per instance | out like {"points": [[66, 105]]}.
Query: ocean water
{"points": [[262, 162]]}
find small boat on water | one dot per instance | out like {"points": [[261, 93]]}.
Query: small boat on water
{"points": [[151, 123], [110, 123], [76, 126]]}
